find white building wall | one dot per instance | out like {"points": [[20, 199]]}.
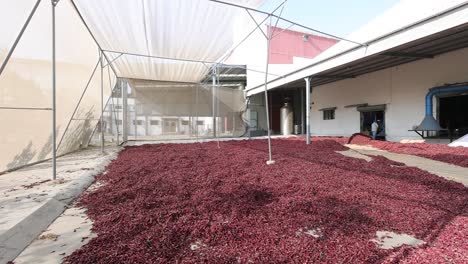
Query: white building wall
{"points": [[402, 88]]}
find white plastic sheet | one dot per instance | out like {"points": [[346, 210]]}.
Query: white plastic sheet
{"points": [[198, 30]]}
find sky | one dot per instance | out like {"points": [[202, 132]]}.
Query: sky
{"points": [[338, 17]]}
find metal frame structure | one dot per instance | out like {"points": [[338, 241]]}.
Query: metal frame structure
{"points": [[103, 57]]}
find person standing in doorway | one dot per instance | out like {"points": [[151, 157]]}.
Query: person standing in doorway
{"points": [[374, 128]]}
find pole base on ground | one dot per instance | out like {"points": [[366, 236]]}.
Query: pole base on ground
{"points": [[270, 162]]}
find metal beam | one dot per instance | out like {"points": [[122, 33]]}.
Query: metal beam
{"points": [[12, 49], [92, 35], [158, 57], [113, 104], [213, 99], [124, 91], [256, 23], [243, 40], [102, 102], [85, 119], [408, 55], [25, 108], [283, 30], [287, 20], [116, 58], [335, 76]]}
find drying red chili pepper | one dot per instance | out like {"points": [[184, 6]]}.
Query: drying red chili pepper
{"points": [[193, 203], [453, 155]]}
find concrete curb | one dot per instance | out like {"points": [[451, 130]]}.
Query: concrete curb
{"points": [[17, 238]]}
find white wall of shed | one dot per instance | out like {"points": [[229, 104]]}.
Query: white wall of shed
{"points": [[402, 88]]}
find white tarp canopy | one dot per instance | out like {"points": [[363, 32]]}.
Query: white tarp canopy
{"points": [[174, 37]]}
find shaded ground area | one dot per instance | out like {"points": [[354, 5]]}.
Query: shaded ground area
{"points": [[30, 200], [199, 203], [453, 155]]}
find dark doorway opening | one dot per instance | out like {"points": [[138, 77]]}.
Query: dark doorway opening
{"points": [[296, 98], [368, 117], [453, 115]]}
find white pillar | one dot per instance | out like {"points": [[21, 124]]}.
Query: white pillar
{"points": [[307, 80]]}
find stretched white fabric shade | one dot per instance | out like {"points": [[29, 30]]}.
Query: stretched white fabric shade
{"points": [[138, 67], [187, 30]]}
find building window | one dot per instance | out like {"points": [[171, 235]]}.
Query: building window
{"points": [[329, 114], [119, 122], [138, 122], [200, 123], [185, 122], [154, 122]]}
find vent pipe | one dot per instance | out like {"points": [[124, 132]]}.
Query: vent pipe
{"points": [[429, 123]]}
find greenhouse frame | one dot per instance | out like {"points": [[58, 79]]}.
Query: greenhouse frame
{"points": [[81, 76]]}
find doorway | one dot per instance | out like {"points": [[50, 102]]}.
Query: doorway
{"points": [[170, 125], [368, 117], [453, 115]]}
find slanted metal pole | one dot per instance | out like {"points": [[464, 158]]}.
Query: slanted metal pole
{"points": [[77, 105], [18, 38], [102, 104], [307, 80], [54, 105], [213, 93], [270, 158]]}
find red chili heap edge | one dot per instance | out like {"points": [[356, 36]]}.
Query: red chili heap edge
{"points": [[453, 155], [197, 203]]}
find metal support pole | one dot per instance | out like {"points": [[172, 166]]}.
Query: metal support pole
{"points": [[213, 94], [124, 111], [196, 110], [270, 158], [307, 80], [249, 119], [102, 103], [54, 105], [112, 89]]}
